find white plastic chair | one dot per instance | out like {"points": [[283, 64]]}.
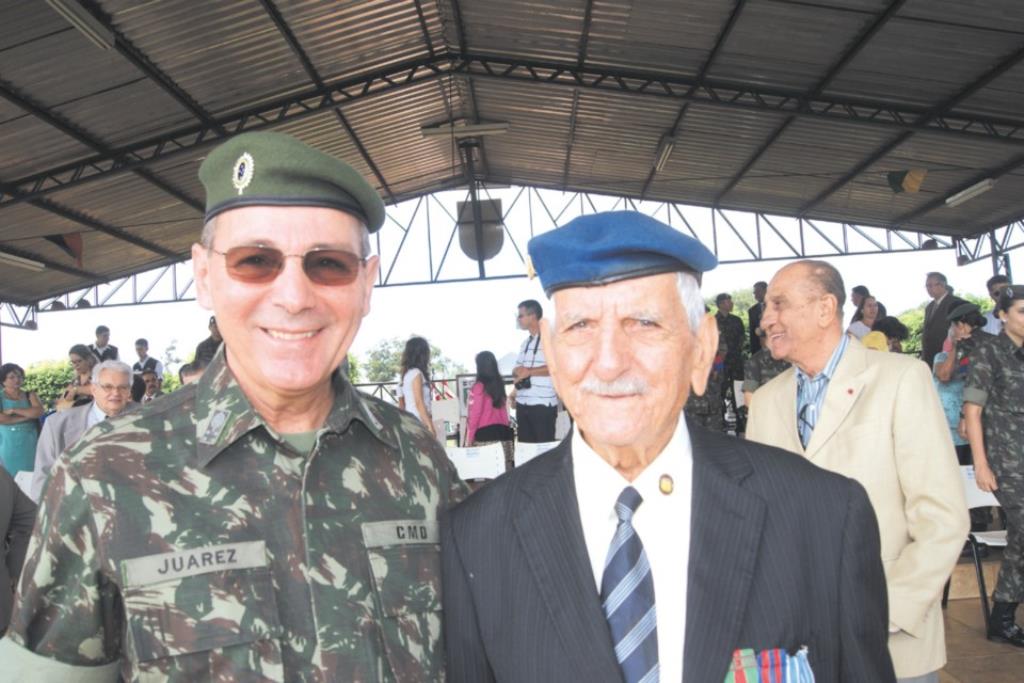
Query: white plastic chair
{"points": [[976, 498]]}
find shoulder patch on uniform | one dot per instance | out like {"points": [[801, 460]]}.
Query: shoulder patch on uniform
{"points": [[214, 427], [400, 532], [371, 416]]}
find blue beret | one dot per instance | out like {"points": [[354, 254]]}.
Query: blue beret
{"points": [[601, 248]]}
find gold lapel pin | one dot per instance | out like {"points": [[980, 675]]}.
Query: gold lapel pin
{"points": [[665, 484]]}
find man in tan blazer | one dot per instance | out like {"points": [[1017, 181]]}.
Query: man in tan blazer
{"points": [[874, 417]]}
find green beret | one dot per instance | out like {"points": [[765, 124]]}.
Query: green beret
{"points": [[274, 169]]}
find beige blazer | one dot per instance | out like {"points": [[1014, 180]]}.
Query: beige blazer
{"points": [[882, 424]]}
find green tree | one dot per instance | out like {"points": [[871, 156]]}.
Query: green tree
{"points": [[383, 363], [48, 379], [354, 368], [171, 356], [170, 382]]}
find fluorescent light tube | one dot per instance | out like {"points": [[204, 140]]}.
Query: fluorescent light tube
{"points": [[90, 27], [469, 130], [20, 262], [971, 192], [665, 147]]}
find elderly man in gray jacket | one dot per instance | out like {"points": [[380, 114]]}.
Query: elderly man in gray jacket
{"points": [[111, 388]]}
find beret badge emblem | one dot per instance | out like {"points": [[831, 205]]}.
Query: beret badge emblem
{"points": [[241, 174]]}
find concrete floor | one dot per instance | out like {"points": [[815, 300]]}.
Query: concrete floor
{"points": [[971, 657]]}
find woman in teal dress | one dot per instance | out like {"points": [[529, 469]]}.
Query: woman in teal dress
{"points": [[19, 415]]}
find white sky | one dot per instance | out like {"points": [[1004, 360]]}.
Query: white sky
{"points": [[465, 318]]}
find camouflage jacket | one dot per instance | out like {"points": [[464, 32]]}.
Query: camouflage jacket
{"points": [[760, 369], [995, 376], [730, 330], [995, 381], [188, 542]]}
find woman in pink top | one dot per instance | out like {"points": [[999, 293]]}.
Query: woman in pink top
{"points": [[487, 418]]}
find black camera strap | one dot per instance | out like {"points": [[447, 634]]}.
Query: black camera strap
{"points": [[536, 346]]}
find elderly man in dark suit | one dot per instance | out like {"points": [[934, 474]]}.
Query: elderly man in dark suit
{"points": [[936, 327], [643, 547], [17, 514]]}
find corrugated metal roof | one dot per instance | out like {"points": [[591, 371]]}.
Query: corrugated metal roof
{"points": [[227, 59]]}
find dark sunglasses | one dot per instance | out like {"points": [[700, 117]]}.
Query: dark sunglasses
{"points": [[260, 265]]}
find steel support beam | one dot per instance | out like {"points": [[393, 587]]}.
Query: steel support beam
{"points": [[18, 317], [195, 138], [869, 32], [1001, 170], [91, 223], [581, 50], [423, 26], [723, 35], [736, 236], [85, 138], [994, 245], [140, 61], [925, 119], [572, 137], [311, 71], [51, 264], [745, 97]]}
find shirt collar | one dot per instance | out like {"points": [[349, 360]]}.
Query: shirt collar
{"points": [[224, 413], [604, 484], [830, 367], [95, 414]]}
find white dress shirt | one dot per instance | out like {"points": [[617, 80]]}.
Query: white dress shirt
{"points": [[662, 522], [95, 416], [993, 325]]}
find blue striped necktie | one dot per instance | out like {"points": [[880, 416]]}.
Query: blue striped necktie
{"points": [[627, 596]]}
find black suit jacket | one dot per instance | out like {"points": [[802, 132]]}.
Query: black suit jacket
{"points": [[754, 322], [782, 554], [936, 328], [17, 516]]}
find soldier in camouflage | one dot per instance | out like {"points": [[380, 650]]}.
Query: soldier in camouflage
{"points": [[706, 409], [994, 416], [761, 368], [268, 523]]}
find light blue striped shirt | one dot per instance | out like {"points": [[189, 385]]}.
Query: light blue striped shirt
{"points": [[810, 392]]}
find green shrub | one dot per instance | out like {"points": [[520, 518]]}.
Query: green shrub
{"points": [[170, 383], [49, 379]]}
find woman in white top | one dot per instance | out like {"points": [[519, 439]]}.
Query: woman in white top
{"points": [[414, 391], [864, 319]]}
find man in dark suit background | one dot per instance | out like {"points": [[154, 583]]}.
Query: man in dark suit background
{"points": [[936, 327], [754, 316], [643, 547], [17, 515]]}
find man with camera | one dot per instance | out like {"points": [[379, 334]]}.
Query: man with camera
{"points": [[536, 401]]}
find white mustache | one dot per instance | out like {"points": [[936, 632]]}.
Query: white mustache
{"points": [[628, 386]]}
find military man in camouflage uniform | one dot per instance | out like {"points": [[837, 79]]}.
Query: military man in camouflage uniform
{"points": [[760, 369], [268, 523], [994, 417], [706, 409], [730, 330]]}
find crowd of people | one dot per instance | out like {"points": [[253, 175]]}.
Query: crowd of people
{"points": [[32, 434], [274, 523]]}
